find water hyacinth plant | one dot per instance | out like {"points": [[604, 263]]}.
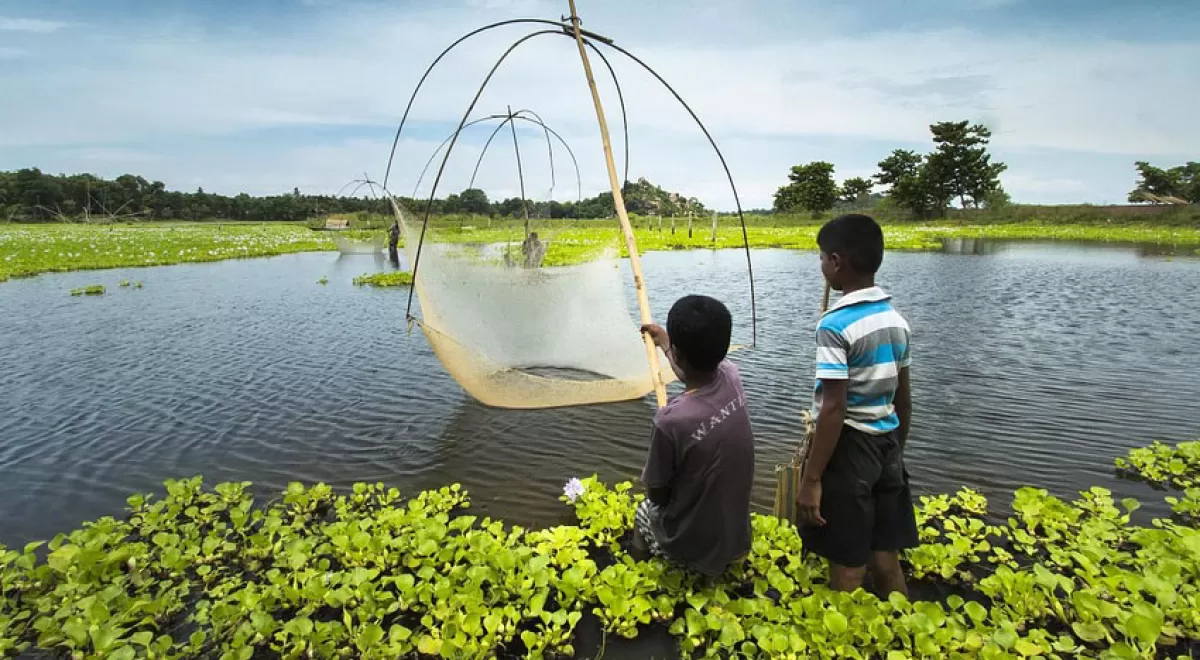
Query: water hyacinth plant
{"points": [[210, 573], [393, 278], [31, 249], [89, 290], [573, 489]]}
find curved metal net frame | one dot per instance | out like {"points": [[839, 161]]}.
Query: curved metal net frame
{"points": [[509, 119], [510, 382]]}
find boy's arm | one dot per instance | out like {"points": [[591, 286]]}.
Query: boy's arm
{"points": [[903, 405], [663, 341], [833, 370], [660, 467], [829, 428]]}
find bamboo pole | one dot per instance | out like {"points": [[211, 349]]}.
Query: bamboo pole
{"points": [[825, 298], [635, 261]]}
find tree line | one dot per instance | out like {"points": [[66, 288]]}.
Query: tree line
{"points": [[29, 195], [1176, 185], [958, 169]]}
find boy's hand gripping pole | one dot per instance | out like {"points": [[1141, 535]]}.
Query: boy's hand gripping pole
{"points": [[635, 262]]}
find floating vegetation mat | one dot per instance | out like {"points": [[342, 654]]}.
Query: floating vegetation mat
{"points": [[31, 249], [393, 278], [90, 290], [208, 574]]}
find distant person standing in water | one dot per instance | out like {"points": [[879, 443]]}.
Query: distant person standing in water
{"points": [[534, 250], [393, 241]]}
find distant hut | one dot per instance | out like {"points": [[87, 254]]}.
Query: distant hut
{"points": [[337, 222]]}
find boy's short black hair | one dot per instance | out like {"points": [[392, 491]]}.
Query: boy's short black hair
{"points": [[856, 237], [700, 328]]}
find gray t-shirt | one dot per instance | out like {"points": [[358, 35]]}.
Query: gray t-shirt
{"points": [[702, 449]]}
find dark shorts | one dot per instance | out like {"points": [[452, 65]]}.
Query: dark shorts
{"points": [[865, 501]]}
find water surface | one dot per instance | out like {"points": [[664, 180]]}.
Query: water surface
{"points": [[1033, 364]]}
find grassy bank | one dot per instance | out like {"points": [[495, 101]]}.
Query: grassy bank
{"points": [[207, 573], [571, 243], [31, 249]]}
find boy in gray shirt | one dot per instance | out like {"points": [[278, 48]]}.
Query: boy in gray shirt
{"points": [[700, 467]]}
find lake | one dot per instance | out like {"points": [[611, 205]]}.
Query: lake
{"points": [[1033, 364]]}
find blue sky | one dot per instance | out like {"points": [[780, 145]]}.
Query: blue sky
{"points": [[264, 95]]}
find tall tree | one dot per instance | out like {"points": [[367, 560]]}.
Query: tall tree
{"points": [[1189, 181], [811, 189], [912, 186], [855, 189], [475, 201], [1156, 184], [960, 164]]}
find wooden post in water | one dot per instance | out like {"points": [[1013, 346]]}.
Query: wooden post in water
{"points": [[635, 261]]}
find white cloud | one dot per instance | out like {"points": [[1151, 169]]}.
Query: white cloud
{"points": [[844, 98], [9, 24], [1024, 185], [115, 155]]}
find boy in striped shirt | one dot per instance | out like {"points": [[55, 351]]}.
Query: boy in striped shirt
{"points": [[854, 504]]}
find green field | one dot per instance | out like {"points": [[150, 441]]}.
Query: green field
{"points": [[31, 249], [27, 250]]}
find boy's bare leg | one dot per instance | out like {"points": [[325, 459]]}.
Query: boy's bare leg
{"points": [[885, 568], [846, 578]]}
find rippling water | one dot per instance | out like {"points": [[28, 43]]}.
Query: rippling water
{"points": [[1032, 365]]}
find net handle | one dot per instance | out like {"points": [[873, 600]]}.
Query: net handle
{"points": [[660, 390]]}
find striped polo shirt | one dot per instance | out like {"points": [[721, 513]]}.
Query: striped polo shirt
{"points": [[864, 340]]}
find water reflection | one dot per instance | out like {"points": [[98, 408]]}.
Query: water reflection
{"points": [[1060, 249], [976, 246]]}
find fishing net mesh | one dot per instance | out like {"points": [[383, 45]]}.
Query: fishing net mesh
{"points": [[359, 242], [518, 335]]}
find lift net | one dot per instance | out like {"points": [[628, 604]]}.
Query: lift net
{"points": [[514, 336]]}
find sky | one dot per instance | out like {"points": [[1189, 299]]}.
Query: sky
{"points": [[263, 96]]}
